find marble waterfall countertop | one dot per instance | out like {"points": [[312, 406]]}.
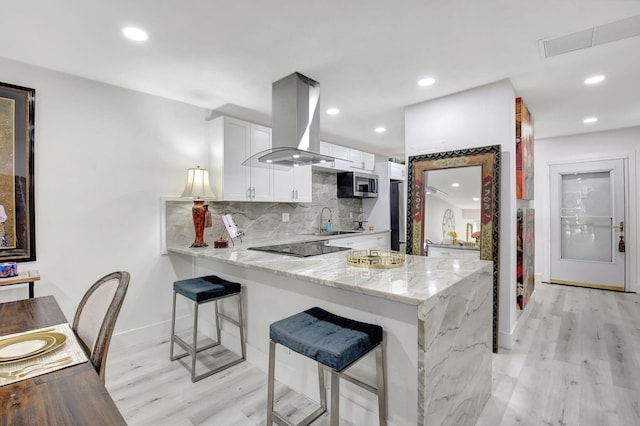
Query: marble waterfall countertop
{"points": [[419, 279]]}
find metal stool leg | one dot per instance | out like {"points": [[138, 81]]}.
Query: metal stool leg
{"points": [[322, 387], [241, 321], [335, 398], [194, 348], [382, 385], [173, 327], [270, 384], [217, 319]]}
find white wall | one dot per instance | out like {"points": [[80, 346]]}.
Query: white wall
{"points": [[621, 143], [103, 157], [435, 208], [477, 117]]}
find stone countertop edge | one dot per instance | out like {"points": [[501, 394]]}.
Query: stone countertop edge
{"points": [[419, 279]]}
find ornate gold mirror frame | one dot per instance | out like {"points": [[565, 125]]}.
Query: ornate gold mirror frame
{"points": [[489, 158]]}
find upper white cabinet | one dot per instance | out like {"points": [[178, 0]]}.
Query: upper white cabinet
{"points": [[347, 159], [292, 185], [232, 142], [362, 160], [397, 171]]}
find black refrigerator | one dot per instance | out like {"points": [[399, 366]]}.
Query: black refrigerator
{"points": [[398, 214]]}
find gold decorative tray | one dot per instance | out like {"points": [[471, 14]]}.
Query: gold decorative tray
{"points": [[375, 258]]}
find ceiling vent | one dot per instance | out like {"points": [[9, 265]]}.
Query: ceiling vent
{"points": [[602, 34]]}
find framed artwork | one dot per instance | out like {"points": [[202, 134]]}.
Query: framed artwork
{"points": [[525, 273], [17, 213], [524, 152]]}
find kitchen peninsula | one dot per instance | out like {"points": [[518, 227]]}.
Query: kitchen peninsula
{"points": [[436, 314]]}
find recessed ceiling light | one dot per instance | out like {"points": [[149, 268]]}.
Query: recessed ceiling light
{"points": [[296, 155], [594, 79], [590, 120], [427, 81], [476, 199], [135, 34], [269, 161], [333, 111], [380, 129], [455, 184]]}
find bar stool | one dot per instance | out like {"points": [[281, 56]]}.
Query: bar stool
{"points": [[203, 290], [335, 343]]}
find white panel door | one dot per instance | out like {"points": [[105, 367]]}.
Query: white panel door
{"points": [[587, 217], [261, 183]]}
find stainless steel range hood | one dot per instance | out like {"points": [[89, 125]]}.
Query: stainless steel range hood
{"points": [[295, 122]]}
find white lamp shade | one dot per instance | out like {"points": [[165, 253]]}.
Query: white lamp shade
{"points": [[198, 185]]}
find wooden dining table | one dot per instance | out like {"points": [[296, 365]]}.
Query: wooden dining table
{"points": [[73, 395]]}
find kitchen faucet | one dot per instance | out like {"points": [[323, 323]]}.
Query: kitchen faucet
{"points": [[321, 213]]}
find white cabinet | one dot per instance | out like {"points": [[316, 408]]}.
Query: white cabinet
{"points": [[380, 241], [347, 159], [361, 160], [232, 142], [453, 253], [397, 171], [340, 153], [292, 185]]}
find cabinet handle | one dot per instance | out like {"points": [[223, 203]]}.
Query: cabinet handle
{"points": [[249, 193], [293, 194], [296, 194]]}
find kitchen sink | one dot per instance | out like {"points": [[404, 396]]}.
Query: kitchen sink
{"points": [[327, 233]]}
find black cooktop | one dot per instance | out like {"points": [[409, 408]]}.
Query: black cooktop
{"points": [[300, 249]]}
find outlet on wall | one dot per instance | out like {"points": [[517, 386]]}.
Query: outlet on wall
{"points": [[285, 217]]}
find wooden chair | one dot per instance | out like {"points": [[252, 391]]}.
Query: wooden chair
{"points": [[96, 317]]}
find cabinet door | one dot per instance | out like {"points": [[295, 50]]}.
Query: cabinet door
{"points": [[355, 157], [261, 183], [368, 160], [292, 185], [362, 160], [302, 184], [236, 150], [364, 241], [283, 188], [397, 171], [340, 152]]}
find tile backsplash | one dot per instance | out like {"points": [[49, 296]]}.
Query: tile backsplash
{"points": [[262, 220]]}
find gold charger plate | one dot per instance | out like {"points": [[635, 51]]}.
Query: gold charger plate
{"points": [[27, 346]]}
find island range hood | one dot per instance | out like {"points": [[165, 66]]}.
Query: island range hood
{"points": [[295, 123]]}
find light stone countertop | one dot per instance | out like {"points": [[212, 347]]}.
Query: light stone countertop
{"points": [[419, 279]]}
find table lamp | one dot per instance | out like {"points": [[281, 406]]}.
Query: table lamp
{"points": [[199, 189]]}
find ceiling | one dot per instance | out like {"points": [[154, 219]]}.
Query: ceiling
{"points": [[367, 54]]}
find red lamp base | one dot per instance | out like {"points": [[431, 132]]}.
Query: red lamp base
{"points": [[198, 212]]}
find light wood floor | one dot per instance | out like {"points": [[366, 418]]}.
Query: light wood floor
{"points": [[576, 362]]}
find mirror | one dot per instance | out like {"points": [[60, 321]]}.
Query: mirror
{"points": [[488, 158], [454, 196]]}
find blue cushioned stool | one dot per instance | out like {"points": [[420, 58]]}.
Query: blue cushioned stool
{"points": [[335, 343], [202, 290]]}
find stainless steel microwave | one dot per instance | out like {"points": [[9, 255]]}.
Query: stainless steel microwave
{"points": [[357, 185]]}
